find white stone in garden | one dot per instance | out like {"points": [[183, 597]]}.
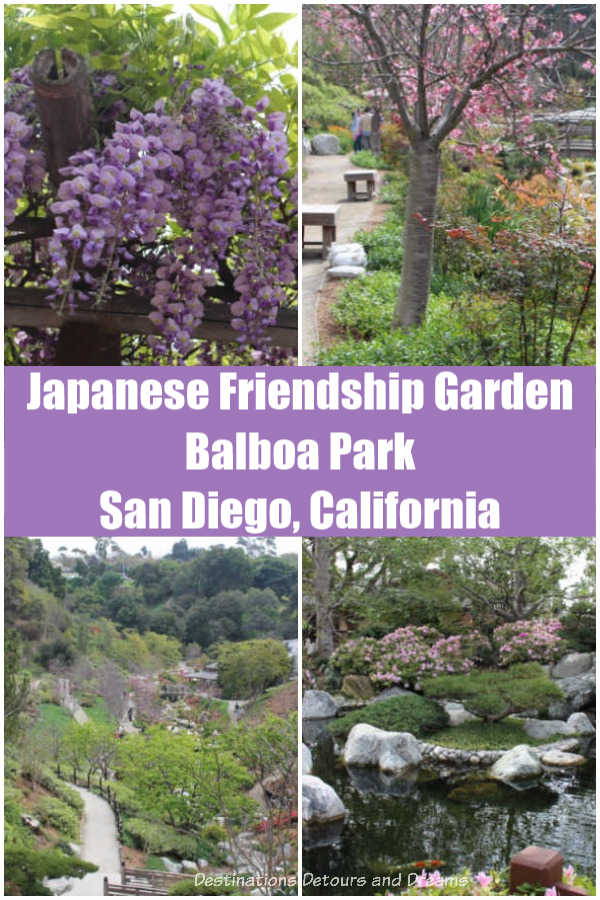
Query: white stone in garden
{"points": [[325, 145], [521, 762], [320, 803], [457, 714], [347, 255], [390, 751], [579, 723], [345, 272], [573, 664], [306, 146], [579, 691], [543, 729], [307, 762], [560, 758], [318, 705]]}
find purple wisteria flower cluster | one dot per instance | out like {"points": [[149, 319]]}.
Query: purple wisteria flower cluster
{"points": [[529, 640], [169, 201], [24, 165]]}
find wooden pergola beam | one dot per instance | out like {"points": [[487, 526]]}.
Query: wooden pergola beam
{"points": [[27, 307]]}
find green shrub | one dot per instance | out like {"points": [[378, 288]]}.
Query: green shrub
{"points": [[457, 331], [579, 626], [485, 736], [383, 244], [356, 656], [394, 187], [366, 159], [412, 713], [159, 839], [61, 790], [58, 814], [214, 833], [494, 694]]}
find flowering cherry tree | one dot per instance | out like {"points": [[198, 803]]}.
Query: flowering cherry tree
{"points": [[449, 71]]}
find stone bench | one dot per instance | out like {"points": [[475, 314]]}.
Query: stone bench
{"points": [[353, 177], [325, 217]]}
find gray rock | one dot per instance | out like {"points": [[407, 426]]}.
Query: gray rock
{"points": [[188, 865], [579, 723], [390, 751], [573, 664], [560, 758], [579, 691], [457, 713], [544, 729], [202, 863], [170, 865], [325, 145], [320, 803], [345, 272], [30, 821], [347, 255], [318, 705], [520, 763], [306, 145], [307, 762]]}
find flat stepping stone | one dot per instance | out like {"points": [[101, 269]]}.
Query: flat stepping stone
{"points": [[560, 758]]}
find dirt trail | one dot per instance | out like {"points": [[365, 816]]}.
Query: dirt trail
{"points": [[324, 183], [99, 845]]}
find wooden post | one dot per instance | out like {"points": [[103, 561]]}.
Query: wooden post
{"points": [[536, 865], [64, 103], [105, 886]]}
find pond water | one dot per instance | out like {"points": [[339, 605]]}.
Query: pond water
{"points": [[397, 821]]}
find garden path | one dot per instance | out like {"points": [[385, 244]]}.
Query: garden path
{"points": [[99, 845], [324, 184]]}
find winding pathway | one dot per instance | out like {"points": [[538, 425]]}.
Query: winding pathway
{"points": [[324, 184], [99, 845]]}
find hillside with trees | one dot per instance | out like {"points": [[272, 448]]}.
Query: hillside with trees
{"points": [[163, 689]]}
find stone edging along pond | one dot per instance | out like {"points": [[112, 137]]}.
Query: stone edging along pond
{"points": [[436, 753]]}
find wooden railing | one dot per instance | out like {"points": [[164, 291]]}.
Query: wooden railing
{"points": [[110, 889]]}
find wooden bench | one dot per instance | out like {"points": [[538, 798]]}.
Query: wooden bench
{"points": [[353, 177], [324, 216]]}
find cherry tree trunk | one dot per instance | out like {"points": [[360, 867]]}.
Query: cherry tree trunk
{"points": [[425, 159]]}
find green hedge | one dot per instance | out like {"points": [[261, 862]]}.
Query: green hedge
{"points": [[54, 812], [410, 713]]}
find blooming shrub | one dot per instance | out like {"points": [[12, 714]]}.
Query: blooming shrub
{"points": [[482, 884], [526, 640], [411, 653], [356, 656]]}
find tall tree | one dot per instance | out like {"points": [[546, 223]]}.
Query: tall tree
{"points": [[448, 69]]}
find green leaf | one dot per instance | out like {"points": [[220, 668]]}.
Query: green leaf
{"points": [[209, 12], [274, 20]]}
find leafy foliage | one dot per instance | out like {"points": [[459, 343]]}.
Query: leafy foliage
{"points": [[414, 714], [60, 815], [485, 735], [495, 694], [247, 668], [579, 625]]}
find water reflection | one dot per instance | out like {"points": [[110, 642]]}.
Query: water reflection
{"points": [[395, 821]]}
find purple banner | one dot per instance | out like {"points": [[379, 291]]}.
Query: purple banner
{"points": [[306, 450]]}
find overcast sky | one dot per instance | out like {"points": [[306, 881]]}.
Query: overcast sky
{"points": [[158, 546]]}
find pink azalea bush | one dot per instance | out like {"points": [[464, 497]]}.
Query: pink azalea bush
{"points": [[411, 653], [356, 656], [529, 640]]}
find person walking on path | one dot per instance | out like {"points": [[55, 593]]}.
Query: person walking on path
{"points": [[365, 129], [376, 130], [356, 130]]}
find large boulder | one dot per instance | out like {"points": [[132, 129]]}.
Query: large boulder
{"points": [[391, 751], [573, 664], [357, 686], [579, 691], [579, 723], [545, 729], [307, 762], [520, 763], [306, 146], [457, 714], [325, 145], [320, 803], [318, 705]]}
